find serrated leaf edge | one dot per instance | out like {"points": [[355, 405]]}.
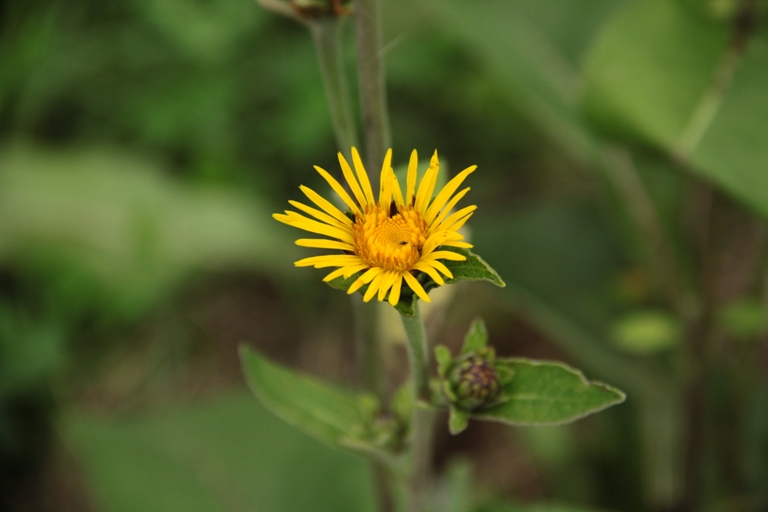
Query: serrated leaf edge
{"points": [[621, 396]]}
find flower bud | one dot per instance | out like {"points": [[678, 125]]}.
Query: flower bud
{"points": [[474, 381]]}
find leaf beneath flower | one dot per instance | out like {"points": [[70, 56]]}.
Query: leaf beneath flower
{"points": [[327, 413]]}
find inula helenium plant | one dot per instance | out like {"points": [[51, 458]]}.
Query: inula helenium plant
{"points": [[386, 239]]}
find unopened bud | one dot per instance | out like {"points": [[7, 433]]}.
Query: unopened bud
{"points": [[474, 381]]}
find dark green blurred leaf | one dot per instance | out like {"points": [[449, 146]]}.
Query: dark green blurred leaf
{"points": [[329, 414], [114, 220], [548, 393], [649, 67], [31, 350], [656, 73], [732, 152], [538, 78], [226, 455]]}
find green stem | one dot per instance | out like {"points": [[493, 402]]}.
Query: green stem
{"points": [[327, 38], [423, 415], [373, 95], [327, 35]]}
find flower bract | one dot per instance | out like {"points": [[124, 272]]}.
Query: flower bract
{"points": [[386, 239]]}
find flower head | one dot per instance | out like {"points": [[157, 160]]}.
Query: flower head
{"points": [[390, 239]]}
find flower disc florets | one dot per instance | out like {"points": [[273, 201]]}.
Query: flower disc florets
{"points": [[389, 240], [392, 242]]}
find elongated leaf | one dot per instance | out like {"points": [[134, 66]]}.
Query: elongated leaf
{"points": [[548, 393], [223, 454], [327, 413]]}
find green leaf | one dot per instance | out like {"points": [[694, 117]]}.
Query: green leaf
{"points": [[474, 268], [120, 229], [215, 455], [648, 68], [535, 76], [329, 414], [548, 393], [458, 421], [656, 73], [444, 359], [477, 337], [732, 151]]}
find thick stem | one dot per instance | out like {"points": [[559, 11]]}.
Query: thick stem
{"points": [[373, 95], [423, 415], [326, 35]]}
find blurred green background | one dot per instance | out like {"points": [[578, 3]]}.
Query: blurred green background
{"points": [[622, 191]]}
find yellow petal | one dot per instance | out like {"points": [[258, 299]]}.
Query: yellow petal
{"points": [[410, 185], [333, 260], [321, 216], [374, 286], [301, 222], [321, 243], [457, 225], [326, 205], [336, 186], [427, 185], [347, 171], [454, 217], [462, 245], [442, 268], [362, 176], [363, 279], [455, 199], [446, 193], [415, 286], [429, 270], [445, 255], [394, 294], [386, 283], [385, 184], [397, 192]]}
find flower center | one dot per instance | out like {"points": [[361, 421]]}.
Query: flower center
{"points": [[389, 242]]}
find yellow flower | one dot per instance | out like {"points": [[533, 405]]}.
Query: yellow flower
{"points": [[389, 240]]}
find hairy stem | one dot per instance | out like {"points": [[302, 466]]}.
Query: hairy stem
{"points": [[423, 415], [373, 95], [326, 35]]}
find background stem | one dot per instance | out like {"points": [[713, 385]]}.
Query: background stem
{"points": [[373, 97], [326, 35]]}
